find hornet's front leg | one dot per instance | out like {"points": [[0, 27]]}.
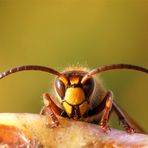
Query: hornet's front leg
{"points": [[50, 109], [109, 106], [107, 110]]}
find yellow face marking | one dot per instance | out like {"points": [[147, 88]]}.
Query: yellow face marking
{"points": [[67, 108], [74, 80], [74, 96], [64, 80], [83, 108]]}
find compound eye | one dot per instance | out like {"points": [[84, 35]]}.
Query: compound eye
{"points": [[88, 87], [60, 87]]}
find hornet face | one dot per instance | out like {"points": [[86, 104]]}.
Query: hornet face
{"points": [[73, 95]]}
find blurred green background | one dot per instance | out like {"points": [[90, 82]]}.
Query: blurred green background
{"points": [[61, 33]]}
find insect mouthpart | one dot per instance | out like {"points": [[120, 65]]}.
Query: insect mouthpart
{"points": [[76, 111]]}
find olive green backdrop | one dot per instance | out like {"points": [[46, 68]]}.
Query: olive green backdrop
{"points": [[61, 33]]}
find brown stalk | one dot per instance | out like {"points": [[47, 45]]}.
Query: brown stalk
{"points": [[32, 132]]}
